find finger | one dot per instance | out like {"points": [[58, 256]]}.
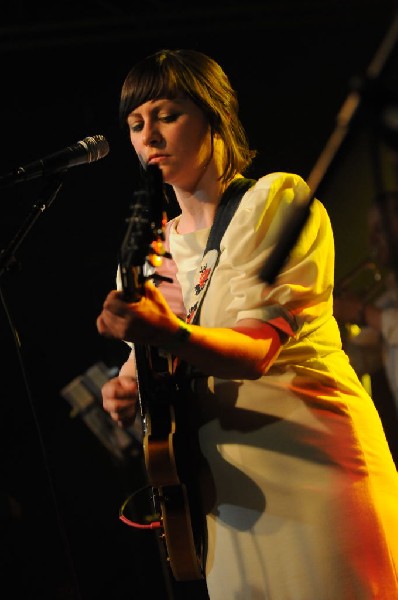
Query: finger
{"points": [[115, 304], [118, 408], [152, 292], [122, 388], [101, 327], [128, 383]]}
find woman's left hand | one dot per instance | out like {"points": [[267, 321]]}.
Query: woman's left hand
{"points": [[148, 321]]}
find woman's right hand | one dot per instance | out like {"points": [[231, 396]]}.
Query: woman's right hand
{"points": [[120, 399]]}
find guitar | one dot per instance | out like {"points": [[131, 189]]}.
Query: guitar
{"points": [[159, 396]]}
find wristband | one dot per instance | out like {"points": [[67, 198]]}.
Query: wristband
{"points": [[179, 337]]}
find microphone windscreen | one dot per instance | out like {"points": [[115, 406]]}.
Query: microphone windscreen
{"points": [[96, 147]]}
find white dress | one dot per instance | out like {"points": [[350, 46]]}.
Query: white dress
{"points": [[305, 503]]}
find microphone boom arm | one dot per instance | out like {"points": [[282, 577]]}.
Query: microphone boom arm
{"points": [[7, 255], [348, 110]]}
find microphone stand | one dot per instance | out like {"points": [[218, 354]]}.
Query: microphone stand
{"points": [[294, 226], [7, 261], [48, 195]]}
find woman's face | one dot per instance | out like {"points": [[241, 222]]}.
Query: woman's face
{"points": [[174, 134]]}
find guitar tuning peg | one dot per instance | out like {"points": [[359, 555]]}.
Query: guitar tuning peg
{"points": [[158, 278], [155, 260], [158, 247]]}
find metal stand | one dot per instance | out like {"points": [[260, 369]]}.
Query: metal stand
{"points": [[294, 226], [7, 256]]}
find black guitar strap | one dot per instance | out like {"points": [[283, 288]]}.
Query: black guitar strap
{"points": [[184, 374], [229, 203]]}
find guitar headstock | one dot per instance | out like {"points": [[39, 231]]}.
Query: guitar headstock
{"points": [[142, 247]]}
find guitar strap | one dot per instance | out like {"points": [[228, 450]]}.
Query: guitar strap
{"points": [[229, 203], [185, 374]]}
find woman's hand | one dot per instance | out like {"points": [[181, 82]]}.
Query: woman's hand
{"points": [[244, 352], [120, 399], [148, 321]]}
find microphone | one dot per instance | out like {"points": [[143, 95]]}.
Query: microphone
{"points": [[88, 150]]}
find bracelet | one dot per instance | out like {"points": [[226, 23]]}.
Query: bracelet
{"points": [[181, 336]]}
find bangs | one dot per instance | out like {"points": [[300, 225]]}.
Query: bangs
{"points": [[148, 82]]}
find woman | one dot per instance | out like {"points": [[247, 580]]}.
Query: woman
{"points": [[304, 494]]}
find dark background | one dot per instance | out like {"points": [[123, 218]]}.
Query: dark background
{"points": [[62, 66]]}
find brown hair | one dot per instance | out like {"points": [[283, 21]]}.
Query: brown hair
{"points": [[168, 73]]}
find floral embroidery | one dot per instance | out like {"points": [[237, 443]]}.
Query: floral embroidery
{"points": [[191, 312], [204, 275]]}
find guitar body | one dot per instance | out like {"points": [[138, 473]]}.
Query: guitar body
{"points": [[166, 436], [167, 475]]}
